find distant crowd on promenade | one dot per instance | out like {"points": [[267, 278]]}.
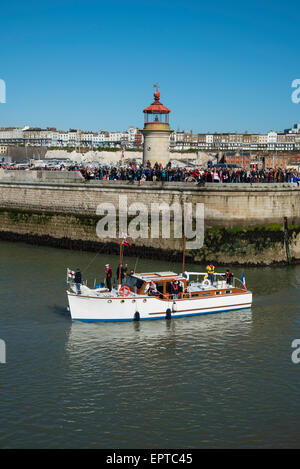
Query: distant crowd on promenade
{"points": [[198, 175], [135, 172]]}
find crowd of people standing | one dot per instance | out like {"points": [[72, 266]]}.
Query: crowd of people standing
{"points": [[141, 173], [199, 175]]}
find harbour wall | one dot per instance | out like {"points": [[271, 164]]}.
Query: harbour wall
{"points": [[243, 222]]}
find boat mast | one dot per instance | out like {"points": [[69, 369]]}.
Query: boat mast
{"points": [[183, 254], [120, 262]]}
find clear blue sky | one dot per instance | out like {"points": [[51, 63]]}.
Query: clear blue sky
{"points": [[221, 65]]}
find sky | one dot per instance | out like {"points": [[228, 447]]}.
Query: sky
{"points": [[222, 66]]}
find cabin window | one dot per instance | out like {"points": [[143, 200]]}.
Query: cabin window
{"points": [[108, 301], [134, 283], [133, 301], [139, 284], [218, 293], [130, 281], [169, 287], [195, 294], [228, 292], [160, 287], [144, 300], [206, 294]]}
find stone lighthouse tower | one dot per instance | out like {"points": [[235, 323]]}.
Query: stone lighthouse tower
{"points": [[156, 132]]}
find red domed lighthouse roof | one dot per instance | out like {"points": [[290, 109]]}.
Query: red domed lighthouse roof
{"points": [[157, 107]]}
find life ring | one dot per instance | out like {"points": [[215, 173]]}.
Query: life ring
{"points": [[206, 283], [124, 290]]}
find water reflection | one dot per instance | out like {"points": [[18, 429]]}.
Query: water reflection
{"points": [[84, 337]]}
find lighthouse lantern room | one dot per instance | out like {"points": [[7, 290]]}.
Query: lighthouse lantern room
{"points": [[156, 112]]}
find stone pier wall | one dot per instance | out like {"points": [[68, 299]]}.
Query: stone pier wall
{"points": [[243, 223]]}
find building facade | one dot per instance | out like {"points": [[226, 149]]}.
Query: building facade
{"points": [[287, 140], [51, 137]]}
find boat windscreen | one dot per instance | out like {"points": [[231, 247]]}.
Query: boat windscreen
{"points": [[130, 281], [134, 283]]}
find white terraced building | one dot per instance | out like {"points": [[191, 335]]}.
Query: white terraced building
{"points": [[287, 140], [51, 137]]}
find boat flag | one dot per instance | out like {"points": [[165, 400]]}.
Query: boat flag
{"points": [[243, 280], [124, 242], [70, 273]]}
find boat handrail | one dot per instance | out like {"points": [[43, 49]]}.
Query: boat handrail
{"points": [[187, 274], [239, 280]]}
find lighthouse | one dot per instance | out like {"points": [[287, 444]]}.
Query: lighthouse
{"points": [[156, 132]]}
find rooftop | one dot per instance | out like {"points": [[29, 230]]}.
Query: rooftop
{"points": [[157, 106], [159, 276]]}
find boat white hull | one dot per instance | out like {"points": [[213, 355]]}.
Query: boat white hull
{"points": [[90, 308]]}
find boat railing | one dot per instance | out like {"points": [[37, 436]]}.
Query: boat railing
{"points": [[235, 282], [188, 274], [240, 283]]}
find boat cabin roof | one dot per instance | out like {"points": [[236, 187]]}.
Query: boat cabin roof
{"points": [[159, 277]]}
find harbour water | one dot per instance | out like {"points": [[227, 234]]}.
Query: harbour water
{"points": [[217, 381]]}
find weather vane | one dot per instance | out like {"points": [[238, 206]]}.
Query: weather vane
{"points": [[156, 86]]}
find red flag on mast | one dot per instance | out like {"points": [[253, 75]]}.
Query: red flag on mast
{"points": [[124, 242]]}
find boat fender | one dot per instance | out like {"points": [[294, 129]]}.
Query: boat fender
{"points": [[136, 316], [168, 314], [174, 306]]}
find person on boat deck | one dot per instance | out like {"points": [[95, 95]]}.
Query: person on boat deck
{"points": [[152, 289], [174, 289], [121, 275], [228, 277], [108, 273], [125, 272], [77, 280], [210, 272]]}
